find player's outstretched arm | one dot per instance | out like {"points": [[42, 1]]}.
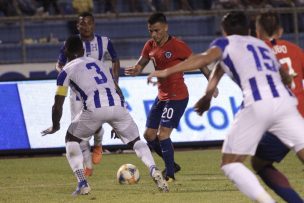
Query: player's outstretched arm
{"points": [[286, 78], [207, 72], [192, 63], [137, 69], [56, 115], [203, 104]]}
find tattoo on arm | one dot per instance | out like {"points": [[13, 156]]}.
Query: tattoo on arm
{"points": [[143, 62]]}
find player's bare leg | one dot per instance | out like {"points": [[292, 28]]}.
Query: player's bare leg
{"points": [[300, 154], [97, 148], [143, 152], [243, 178], [275, 180]]}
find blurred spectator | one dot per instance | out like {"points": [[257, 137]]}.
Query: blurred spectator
{"points": [[183, 5], [151, 5], [286, 18], [81, 6], [300, 3], [229, 4], [135, 6], [8, 8], [110, 6], [47, 9], [281, 3], [206, 4], [255, 4], [28, 7], [168, 5]]}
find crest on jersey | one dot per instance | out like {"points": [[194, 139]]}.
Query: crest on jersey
{"points": [[168, 54]]}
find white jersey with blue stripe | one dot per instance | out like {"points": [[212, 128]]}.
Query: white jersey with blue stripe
{"points": [[99, 48], [91, 81], [253, 66]]}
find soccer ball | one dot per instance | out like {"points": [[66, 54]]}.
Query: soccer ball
{"points": [[128, 174]]}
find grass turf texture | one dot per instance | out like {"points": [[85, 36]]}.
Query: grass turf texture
{"points": [[49, 179]]}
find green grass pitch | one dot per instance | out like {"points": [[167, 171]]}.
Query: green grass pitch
{"points": [[50, 179]]}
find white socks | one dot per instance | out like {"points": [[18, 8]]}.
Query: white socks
{"points": [[74, 155], [86, 152], [246, 182], [75, 159], [143, 152]]}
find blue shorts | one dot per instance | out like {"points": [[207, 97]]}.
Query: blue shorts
{"points": [[270, 148], [166, 113]]}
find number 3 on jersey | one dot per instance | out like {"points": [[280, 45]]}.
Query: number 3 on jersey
{"points": [[99, 80]]}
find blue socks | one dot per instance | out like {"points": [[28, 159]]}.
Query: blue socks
{"points": [[156, 147], [168, 156], [279, 184]]}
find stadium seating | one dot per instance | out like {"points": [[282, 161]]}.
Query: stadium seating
{"points": [[128, 34]]}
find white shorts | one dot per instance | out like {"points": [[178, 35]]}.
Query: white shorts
{"points": [[87, 122], [251, 122]]}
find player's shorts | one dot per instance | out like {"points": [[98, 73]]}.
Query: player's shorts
{"points": [[276, 116], [87, 122], [270, 148], [166, 113]]}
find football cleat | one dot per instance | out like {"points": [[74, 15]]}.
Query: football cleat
{"points": [[177, 168], [88, 172], [83, 188], [170, 179], [160, 181], [97, 154]]}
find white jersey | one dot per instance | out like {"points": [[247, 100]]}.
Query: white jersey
{"points": [[99, 48], [268, 104], [253, 66], [91, 82]]}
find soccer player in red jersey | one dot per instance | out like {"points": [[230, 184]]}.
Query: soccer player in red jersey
{"points": [[270, 148], [164, 51]]}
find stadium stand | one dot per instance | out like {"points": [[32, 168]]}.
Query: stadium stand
{"points": [[128, 34], [39, 39]]}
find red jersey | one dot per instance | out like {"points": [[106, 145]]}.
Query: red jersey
{"points": [[171, 53], [291, 58]]}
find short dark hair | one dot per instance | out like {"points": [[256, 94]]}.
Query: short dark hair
{"points": [[86, 14], [157, 18], [269, 22], [73, 45], [235, 23]]}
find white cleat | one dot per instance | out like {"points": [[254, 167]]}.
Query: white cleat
{"points": [[160, 181]]}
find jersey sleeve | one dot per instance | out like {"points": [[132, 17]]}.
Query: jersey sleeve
{"points": [[111, 50], [220, 42], [184, 50], [62, 83], [145, 51], [302, 63], [62, 59]]}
